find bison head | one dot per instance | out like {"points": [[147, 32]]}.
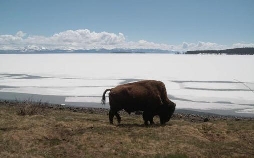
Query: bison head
{"points": [[167, 112], [171, 110]]}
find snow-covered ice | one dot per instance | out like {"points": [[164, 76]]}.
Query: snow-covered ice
{"points": [[201, 82]]}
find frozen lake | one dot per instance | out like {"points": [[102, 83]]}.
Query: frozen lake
{"points": [[210, 83]]}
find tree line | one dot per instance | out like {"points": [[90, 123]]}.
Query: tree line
{"points": [[235, 51]]}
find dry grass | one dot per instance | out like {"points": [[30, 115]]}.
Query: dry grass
{"points": [[63, 133], [28, 107]]}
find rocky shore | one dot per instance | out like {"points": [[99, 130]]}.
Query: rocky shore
{"points": [[187, 115]]}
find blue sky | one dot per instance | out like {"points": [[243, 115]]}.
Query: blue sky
{"points": [[217, 23]]}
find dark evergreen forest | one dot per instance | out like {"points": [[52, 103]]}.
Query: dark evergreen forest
{"points": [[235, 51]]}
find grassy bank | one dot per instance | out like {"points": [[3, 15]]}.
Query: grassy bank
{"points": [[27, 130]]}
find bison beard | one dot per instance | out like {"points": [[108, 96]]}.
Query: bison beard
{"points": [[148, 96]]}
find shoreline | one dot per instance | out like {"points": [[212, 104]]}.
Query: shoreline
{"points": [[179, 114], [60, 100]]}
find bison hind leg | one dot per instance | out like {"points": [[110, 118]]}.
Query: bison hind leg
{"points": [[151, 121], [113, 113], [118, 117], [111, 116]]}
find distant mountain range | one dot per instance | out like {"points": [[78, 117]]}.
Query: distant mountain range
{"points": [[47, 51]]}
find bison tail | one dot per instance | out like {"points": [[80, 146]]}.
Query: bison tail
{"points": [[103, 100]]}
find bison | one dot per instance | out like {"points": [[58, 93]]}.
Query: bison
{"points": [[149, 96]]}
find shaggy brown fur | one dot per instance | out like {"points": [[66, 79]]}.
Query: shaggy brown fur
{"points": [[149, 96]]}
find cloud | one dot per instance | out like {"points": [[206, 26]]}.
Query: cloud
{"points": [[70, 39], [185, 45], [20, 34], [86, 39], [202, 46], [241, 45]]}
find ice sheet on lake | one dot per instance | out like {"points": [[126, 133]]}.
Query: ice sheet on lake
{"points": [[58, 82], [216, 86], [192, 81], [132, 66]]}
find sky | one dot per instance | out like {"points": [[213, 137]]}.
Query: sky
{"points": [[135, 24]]}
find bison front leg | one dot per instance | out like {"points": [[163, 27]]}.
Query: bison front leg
{"points": [[162, 120], [147, 117], [151, 120]]}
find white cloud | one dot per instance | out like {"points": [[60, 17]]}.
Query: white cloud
{"points": [[241, 45], [202, 46], [86, 39], [20, 34], [185, 45], [143, 44]]}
